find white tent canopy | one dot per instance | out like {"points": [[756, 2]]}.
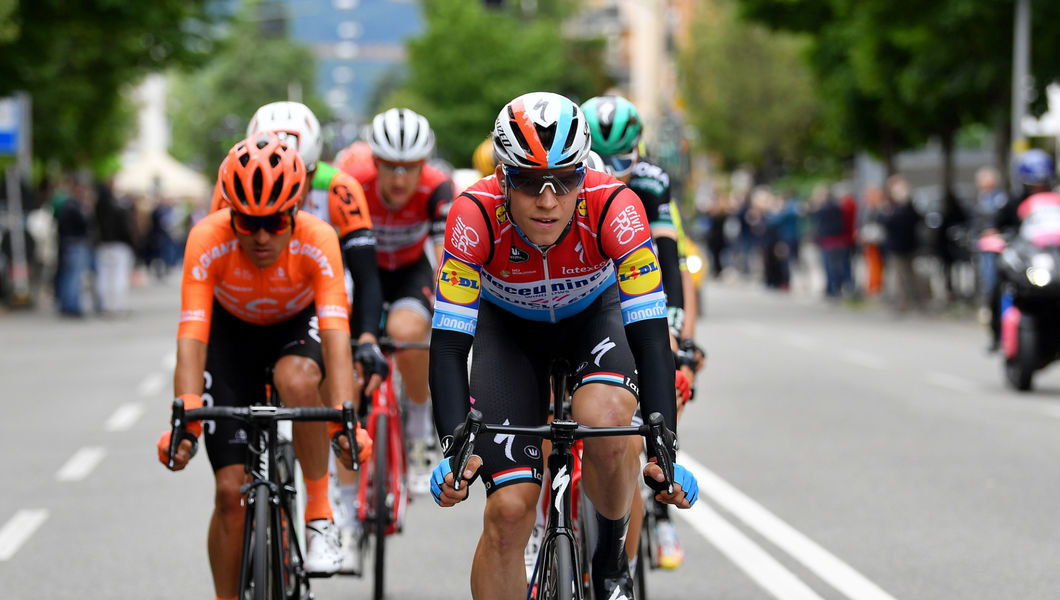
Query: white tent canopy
{"points": [[154, 173]]}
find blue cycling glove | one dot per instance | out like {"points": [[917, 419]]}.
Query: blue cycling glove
{"points": [[688, 483], [438, 479]]}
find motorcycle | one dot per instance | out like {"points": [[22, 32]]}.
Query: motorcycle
{"points": [[1029, 280]]}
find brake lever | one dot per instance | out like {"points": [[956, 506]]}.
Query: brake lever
{"points": [[176, 434], [472, 425], [349, 425], [658, 438]]}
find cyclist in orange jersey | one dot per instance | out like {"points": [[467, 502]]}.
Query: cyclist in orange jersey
{"points": [[262, 286], [337, 198]]}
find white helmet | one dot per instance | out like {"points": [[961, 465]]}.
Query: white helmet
{"points": [[294, 123], [541, 130], [400, 135], [594, 162]]}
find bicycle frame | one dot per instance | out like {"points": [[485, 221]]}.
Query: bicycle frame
{"points": [[559, 566], [270, 558]]}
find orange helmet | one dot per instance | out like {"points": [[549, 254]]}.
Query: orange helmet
{"points": [[262, 176]]}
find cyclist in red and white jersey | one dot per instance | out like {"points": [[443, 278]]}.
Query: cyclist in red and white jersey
{"points": [[542, 259], [408, 200]]}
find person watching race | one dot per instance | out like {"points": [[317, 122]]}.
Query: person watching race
{"points": [[408, 200], [616, 128], [336, 198], [262, 285], [546, 258]]}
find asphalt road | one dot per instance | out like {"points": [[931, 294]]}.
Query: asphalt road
{"points": [[842, 452]]}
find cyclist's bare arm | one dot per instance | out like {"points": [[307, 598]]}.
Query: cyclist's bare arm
{"points": [[338, 363], [187, 379]]}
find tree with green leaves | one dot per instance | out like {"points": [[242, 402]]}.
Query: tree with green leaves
{"points": [[749, 96], [251, 66], [470, 61], [75, 59]]}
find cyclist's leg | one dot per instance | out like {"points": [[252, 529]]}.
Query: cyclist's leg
{"points": [[235, 376], [297, 375], [509, 381]]}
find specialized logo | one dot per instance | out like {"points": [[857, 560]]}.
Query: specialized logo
{"points": [[601, 349], [502, 215], [517, 256], [506, 440], [639, 272], [458, 282]]}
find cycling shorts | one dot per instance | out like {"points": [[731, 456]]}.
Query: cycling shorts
{"points": [[403, 288], [510, 376], [238, 355]]}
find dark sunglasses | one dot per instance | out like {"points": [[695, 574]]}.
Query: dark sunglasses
{"points": [[398, 168], [530, 182], [620, 164], [274, 224]]}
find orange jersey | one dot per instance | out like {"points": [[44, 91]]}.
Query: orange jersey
{"points": [[215, 267], [336, 197]]}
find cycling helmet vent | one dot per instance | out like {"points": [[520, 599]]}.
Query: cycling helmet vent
{"points": [[400, 135], [262, 176], [614, 124], [293, 123]]}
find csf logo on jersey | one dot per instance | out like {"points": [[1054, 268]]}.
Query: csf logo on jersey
{"points": [[502, 215], [583, 210], [639, 273], [517, 256], [458, 282]]}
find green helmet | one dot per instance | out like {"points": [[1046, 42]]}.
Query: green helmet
{"points": [[613, 123]]}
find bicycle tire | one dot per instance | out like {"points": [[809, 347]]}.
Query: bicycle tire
{"points": [[260, 559], [587, 542], [560, 578], [640, 573], [380, 512]]}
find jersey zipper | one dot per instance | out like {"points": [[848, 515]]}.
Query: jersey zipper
{"points": [[548, 286]]}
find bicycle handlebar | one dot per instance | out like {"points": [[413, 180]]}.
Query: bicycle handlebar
{"points": [[345, 416], [654, 431]]}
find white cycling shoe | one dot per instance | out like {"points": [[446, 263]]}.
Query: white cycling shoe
{"points": [[323, 555], [533, 547]]}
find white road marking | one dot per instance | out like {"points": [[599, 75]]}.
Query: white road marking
{"points": [[151, 385], [124, 417], [745, 554], [81, 464], [827, 566], [18, 529], [951, 382], [863, 359]]}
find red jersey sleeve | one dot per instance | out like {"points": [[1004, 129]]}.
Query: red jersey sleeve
{"points": [[625, 237]]}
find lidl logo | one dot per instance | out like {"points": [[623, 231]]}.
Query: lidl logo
{"points": [[639, 273], [458, 283], [582, 210], [502, 215]]}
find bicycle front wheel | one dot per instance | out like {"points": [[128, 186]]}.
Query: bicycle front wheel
{"points": [[381, 514], [559, 577], [259, 576]]}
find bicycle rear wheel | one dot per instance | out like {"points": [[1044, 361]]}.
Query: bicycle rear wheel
{"points": [[380, 512]]}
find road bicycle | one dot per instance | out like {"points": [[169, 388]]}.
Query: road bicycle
{"points": [[562, 569], [382, 486], [271, 563]]}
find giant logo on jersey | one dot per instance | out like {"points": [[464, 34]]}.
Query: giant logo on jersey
{"points": [[458, 283], [639, 273]]}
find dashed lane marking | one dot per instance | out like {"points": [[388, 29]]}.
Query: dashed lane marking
{"points": [[81, 464], [18, 529], [828, 567], [124, 417]]}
